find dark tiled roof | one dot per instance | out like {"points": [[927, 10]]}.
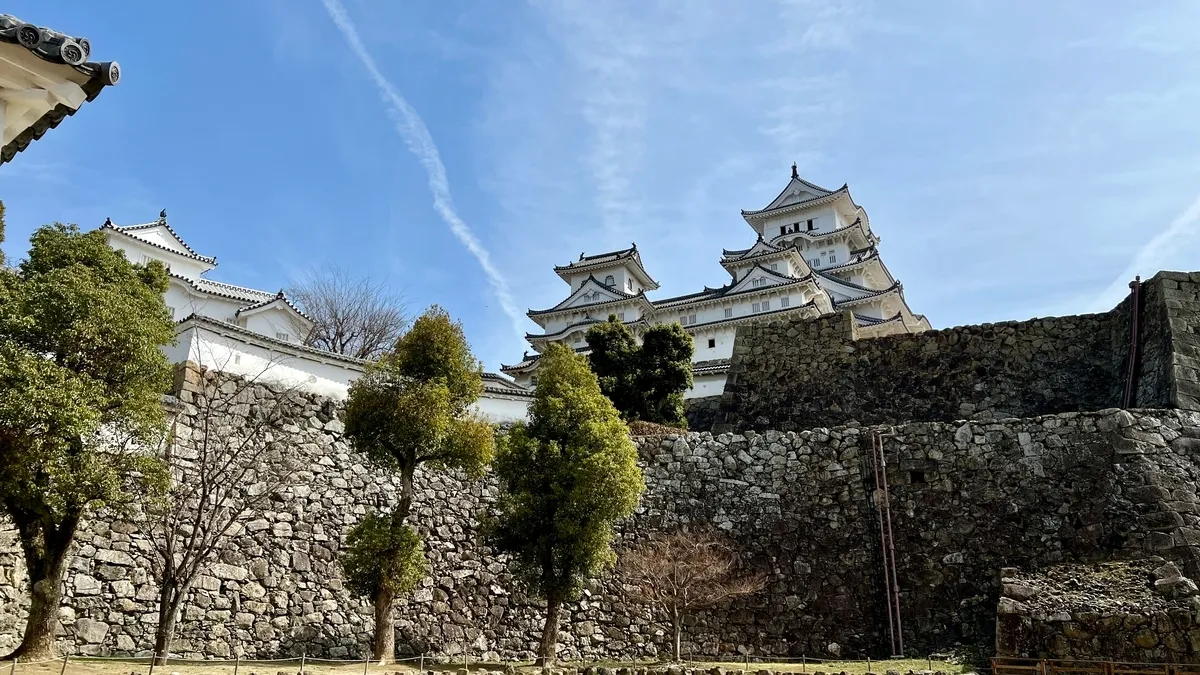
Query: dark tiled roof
{"points": [[58, 48], [278, 296], [587, 261], [498, 384], [223, 290], [161, 222], [870, 294], [621, 297], [812, 201]]}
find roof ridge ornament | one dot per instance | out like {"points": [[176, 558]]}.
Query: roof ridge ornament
{"points": [[162, 216], [795, 171], [108, 222]]}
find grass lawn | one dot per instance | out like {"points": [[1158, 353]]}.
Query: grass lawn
{"points": [[86, 666]]}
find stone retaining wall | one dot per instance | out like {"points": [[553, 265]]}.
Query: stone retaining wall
{"points": [[1137, 611], [807, 373], [967, 499]]}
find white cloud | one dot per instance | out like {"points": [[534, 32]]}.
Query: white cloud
{"points": [[1161, 252], [416, 135]]}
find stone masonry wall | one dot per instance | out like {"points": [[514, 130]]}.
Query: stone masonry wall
{"points": [[1136, 611], [967, 499], [807, 373]]}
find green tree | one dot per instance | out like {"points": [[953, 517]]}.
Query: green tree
{"points": [[644, 382], [81, 379], [412, 408], [1, 231], [382, 558], [566, 477]]}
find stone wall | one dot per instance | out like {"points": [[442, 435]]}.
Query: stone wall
{"points": [[807, 373], [967, 499], [701, 413], [1137, 611]]}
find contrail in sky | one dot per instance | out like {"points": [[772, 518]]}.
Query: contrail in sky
{"points": [[412, 129], [1152, 255]]}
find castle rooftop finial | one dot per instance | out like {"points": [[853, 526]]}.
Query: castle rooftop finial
{"points": [[795, 172], [162, 215], [108, 222]]}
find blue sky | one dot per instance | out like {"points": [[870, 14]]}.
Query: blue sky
{"points": [[1017, 158]]}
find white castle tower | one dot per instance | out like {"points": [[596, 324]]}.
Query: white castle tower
{"points": [[814, 254]]}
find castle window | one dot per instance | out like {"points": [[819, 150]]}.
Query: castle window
{"points": [[810, 224], [785, 301], [712, 343], [577, 338], [629, 282], [691, 318], [728, 312], [610, 280], [172, 312], [832, 257], [916, 477], [766, 305], [774, 267], [815, 262], [756, 307], [283, 337], [782, 229]]}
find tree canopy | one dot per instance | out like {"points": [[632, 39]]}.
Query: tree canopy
{"points": [[353, 316], [566, 477], [645, 382], [81, 380], [383, 555], [412, 407]]}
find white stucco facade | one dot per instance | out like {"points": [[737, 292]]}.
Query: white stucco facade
{"points": [[260, 334], [814, 253]]}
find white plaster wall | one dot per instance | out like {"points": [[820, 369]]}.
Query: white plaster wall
{"points": [[273, 322], [232, 355], [137, 252], [184, 301], [706, 385], [497, 409], [722, 340]]}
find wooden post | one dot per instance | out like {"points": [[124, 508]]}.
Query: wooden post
{"points": [[868, 665], [237, 663], [303, 654], [929, 662], [153, 656], [421, 667], [12, 669], [66, 657], [366, 662], [804, 664]]}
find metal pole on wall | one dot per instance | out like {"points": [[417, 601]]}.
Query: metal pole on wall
{"points": [[237, 663], [303, 654]]}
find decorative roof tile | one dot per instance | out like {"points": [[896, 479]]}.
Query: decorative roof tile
{"points": [[130, 230], [57, 48]]}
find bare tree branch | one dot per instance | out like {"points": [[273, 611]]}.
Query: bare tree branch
{"points": [[682, 572], [352, 316], [225, 463]]}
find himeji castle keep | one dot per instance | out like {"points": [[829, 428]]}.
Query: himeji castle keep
{"points": [[814, 254]]}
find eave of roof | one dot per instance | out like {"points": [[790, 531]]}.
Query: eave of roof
{"points": [[605, 260], [563, 307], [126, 231], [202, 319], [279, 297], [58, 48], [894, 288], [869, 237], [238, 293], [831, 196], [575, 326]]}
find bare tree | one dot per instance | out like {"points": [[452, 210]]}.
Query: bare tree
{"points": [[352, 316], [225, 462], [682, 572]]}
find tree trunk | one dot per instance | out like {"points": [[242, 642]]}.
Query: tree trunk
{"points": [[404, 506], [548, 652], [170, 597], [45, 566], [676, 631], [385, 628]]}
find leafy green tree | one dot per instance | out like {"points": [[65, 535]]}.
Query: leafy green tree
{"points": [[81, 379], [382, 558], [1, 231], [566, 477], [644, 382], [412, 408]]}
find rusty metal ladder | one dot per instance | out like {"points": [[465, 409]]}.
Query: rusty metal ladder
{"points": [[891, 585]]}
